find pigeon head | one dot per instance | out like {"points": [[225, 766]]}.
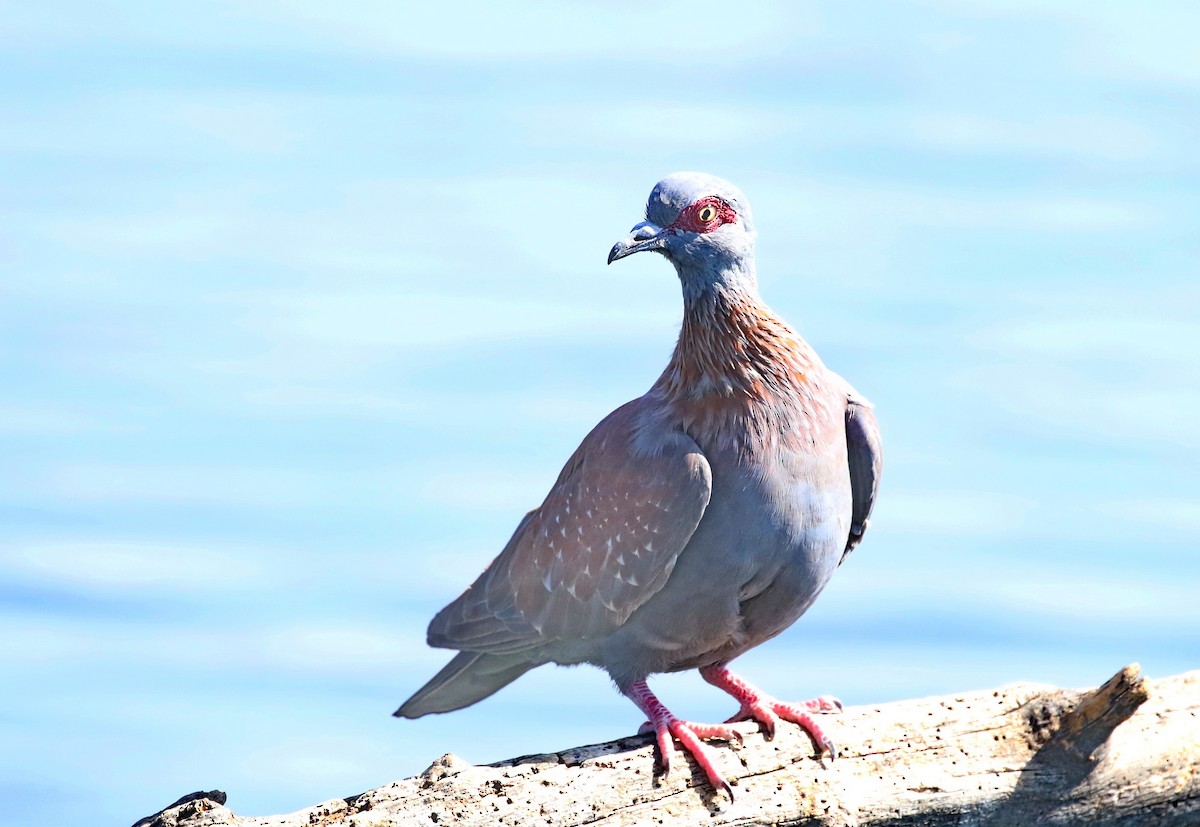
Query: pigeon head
{"points": [[701, 223]]}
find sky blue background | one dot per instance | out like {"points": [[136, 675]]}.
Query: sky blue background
{"points": [[303, 304]]}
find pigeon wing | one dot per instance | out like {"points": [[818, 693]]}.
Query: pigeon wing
{"points": [[602, 543], [864, 450]]}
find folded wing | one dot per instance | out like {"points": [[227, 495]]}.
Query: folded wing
{"points": [[602, 543], [864, 451]]}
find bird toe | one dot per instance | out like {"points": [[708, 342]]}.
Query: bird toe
{"points": [[824, 703]]}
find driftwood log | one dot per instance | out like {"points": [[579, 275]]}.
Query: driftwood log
{"points": [[1127, 753]]}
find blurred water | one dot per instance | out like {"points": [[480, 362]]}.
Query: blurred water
{"points": [[301, 306]]}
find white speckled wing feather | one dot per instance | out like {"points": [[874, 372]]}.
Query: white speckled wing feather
{"points": [[604, 541]]}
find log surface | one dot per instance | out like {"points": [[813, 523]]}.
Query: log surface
{"points": [[1126, 753]]}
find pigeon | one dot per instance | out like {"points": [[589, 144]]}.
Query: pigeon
{"points": [[691, 524]]}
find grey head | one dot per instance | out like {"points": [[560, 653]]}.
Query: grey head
{"points": [[702, 224]]}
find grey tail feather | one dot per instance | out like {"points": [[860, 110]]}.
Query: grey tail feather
{"points": [[469, 677]]}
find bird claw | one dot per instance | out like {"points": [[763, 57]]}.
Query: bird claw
{"points": [[690, 736], [789, 712], [767, 712]]}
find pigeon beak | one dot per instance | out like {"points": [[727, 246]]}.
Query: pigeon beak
{"points": [[644, 236]]}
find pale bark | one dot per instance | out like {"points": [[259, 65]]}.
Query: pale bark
{"points": [[1127, 753]]}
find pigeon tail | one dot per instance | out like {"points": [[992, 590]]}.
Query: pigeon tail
{"points": [[469, 677]]}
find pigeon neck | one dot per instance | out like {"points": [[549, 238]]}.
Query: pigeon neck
{"points": [[702, 283], [732, 346]]}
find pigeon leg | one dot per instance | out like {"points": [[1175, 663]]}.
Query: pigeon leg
{"points": [[759, 706], [667, 727]]}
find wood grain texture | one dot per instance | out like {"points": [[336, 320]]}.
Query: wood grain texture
{"points": [[1126, 753]]}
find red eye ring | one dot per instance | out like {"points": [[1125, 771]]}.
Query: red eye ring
{"points": [[704, 216]]}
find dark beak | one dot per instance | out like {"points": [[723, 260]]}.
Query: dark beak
{"points": [[644, 236]]}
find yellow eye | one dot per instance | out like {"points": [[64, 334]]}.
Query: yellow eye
{"points": [[707, 213]]}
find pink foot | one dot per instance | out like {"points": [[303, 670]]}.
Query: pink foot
{"points": [[667, 729], [761, 707]]}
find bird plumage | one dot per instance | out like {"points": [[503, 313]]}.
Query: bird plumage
{"points": [[694, 522], [603, 542]]}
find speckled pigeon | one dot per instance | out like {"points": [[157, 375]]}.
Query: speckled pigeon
{"points": [[691, 524]]}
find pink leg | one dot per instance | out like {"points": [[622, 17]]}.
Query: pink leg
{"points": [[667, 727], [761, 707]]}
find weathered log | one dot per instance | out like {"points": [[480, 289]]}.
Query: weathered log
{"points": [[1127, 753]]}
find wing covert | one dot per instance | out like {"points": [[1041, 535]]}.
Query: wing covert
{"points": [[602, 543]]}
